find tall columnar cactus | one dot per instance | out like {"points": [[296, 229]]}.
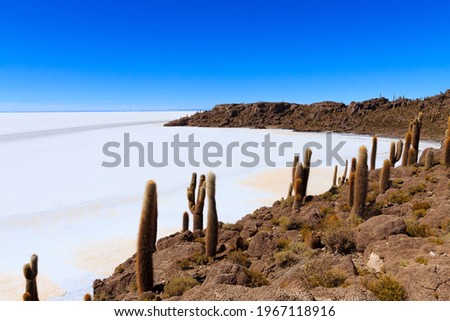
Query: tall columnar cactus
{"points": [[361, 178], [385, 176], [198, 213], [291, 188], [406, 149], [185, 221], [446, 154], [429, 159], [412, 156], [191, 193], [212, 231], [305, 173], [30, 271], [344, 176], [373, 154], [294, 166], [395, 152], [415, 138], [335, 176], [196, 205], [146, 239], [298, 198], [351, 182]]}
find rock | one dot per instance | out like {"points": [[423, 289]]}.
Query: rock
{"points": [[176, 238], [262, 243], [226, 273], [375, 263], [378, 228]]}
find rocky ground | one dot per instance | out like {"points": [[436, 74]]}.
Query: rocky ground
{"points": [[399, 251], [375, 117]]}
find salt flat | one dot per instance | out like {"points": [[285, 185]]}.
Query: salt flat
{"points": [[82, 218]]}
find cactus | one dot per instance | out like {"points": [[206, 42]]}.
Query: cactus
{"points": [[412, 156], [344, 176], [191, 193], [185, 222], [146, 239], [87, 297], [305, 173], [384, 176], [198, 214], [373, 154], [415, 138], [335, 176], [196, 205], [291, 187], [406, 149], [351, 183], [395, 152], [429, 159], [298, 198], [361, 177], [294, 166], [446, 154], [212, 231], [30, 271]]}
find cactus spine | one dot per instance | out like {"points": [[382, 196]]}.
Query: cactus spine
{"points": [[185, 222], [30, 271], [406, 149], [373, 154], [429, 159], [351, 182], [384, 176], [146, 239], [212, 231], [446, 149], [361, 177]]}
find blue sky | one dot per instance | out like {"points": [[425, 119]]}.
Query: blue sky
{"points": [[137, 55]]}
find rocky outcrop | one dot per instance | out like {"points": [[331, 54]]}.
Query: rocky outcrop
{"points": [[376, 116]]}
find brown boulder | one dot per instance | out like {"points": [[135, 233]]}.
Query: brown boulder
{"points": [[262, 243], [378, 228]]}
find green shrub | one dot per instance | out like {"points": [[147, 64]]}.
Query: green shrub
{"points": [[398, 197], [283, 244], [415, 229], [286, 258], [233, 227], [287, 223], [413, 190], [340, 239], [432, 179], [178, 285], [239, 257], [386, 288], [255, 279], [422, 260], [313, 275], [288, 202]]}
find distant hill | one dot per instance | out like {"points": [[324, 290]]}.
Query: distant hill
{"points": [[378, 116]]}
